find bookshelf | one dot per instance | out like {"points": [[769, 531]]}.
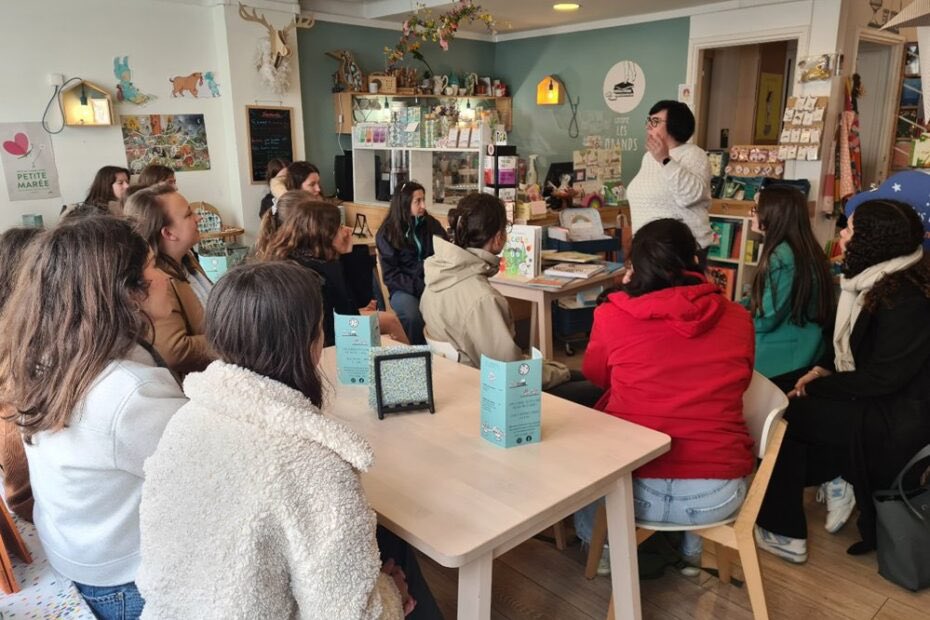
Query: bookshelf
{"points": [[735, 267], [910, 124]]}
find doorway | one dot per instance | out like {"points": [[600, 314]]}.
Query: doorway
{"points": [[878, 65]]}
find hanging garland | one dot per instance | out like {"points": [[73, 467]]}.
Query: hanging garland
{"points": [[422, 27]]}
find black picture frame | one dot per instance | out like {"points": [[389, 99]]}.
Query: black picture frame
{"points": [[382, 408]]}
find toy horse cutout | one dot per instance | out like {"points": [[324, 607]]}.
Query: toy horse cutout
{"points": [[277, 38]]}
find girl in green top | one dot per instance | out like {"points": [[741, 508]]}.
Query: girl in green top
{"points": [[792, 292]]}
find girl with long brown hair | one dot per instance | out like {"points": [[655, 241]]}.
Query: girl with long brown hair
{"points": [[309, 232], [164, 218], [90, 397]]}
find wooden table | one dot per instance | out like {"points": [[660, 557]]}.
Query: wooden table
{"points": [[464, 501], [541, 321]]}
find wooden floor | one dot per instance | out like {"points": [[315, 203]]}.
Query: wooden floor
{"points": [[535, 580]]}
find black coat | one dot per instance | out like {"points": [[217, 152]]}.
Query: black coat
{"points": [[887, 396], [402, 269], [337, 296]]}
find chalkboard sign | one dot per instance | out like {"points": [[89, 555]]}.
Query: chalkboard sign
{"points": [[271, 135]]}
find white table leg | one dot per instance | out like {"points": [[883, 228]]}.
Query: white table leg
{"points": [[545, 328], [475, 589], [624, 567]]}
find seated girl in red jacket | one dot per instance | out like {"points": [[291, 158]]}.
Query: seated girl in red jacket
{"points": [[675, 355]]}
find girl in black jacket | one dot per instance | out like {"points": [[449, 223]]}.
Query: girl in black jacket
{"points": [[404, 241]]}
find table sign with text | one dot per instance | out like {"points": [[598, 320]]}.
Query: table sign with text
{"points": [[511, 399], [355, 335]]}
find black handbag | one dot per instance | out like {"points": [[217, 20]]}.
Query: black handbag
{"points": [[903, 529]]}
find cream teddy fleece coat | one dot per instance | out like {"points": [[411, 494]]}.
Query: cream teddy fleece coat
{"points": [[252, 507]]}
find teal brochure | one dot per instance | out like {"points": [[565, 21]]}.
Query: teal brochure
{"points": [[355, 335], [511, 399]]}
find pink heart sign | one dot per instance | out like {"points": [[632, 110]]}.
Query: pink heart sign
{"points": [[18, 146]]}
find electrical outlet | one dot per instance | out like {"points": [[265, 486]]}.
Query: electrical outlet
{"points": [[55, 79]]}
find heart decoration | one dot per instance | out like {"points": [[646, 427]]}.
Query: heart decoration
{"points": [[18, 146]]}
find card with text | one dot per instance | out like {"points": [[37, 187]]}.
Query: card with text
{"points": [[355, 335], [511, 400]]}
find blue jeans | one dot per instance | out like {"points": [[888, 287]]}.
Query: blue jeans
{"points": [[670, 500], [113, 602], [407, 309]]}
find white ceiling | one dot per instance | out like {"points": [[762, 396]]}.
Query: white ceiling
{"points": [[514, 16]]}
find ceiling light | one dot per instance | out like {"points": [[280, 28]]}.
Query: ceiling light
{"points": [[566, 6]]}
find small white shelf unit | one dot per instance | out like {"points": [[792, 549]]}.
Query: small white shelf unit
{"points": [[737, 211]]}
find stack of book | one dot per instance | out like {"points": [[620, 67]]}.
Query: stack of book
{"points": [[574, 270]]}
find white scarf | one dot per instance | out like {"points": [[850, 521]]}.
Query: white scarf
{"points": [[852, 295]]}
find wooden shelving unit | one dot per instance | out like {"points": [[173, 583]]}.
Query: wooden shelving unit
{"points": [[344, 108], [739, 212]]}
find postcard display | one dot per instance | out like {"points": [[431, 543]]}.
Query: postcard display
{"points": [[802, 128]]}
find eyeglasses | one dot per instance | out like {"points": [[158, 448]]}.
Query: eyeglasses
{"points": [[654, 121]]}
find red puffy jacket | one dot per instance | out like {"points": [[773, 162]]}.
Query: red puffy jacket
{"points": [[678, 361]]}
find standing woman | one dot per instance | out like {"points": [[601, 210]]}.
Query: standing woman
{"points": [[405, 240], [107, 190], [864, 410], [164, 218], [308, 232], [91, 397], [792, 291], [674, 178]]}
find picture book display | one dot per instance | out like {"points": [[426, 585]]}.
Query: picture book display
{"points": [[511, 400], [574, 270], [520, 256], [355, 336]]}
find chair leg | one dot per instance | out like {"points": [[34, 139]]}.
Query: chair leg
{"points": [[610, 608], [752, 573], [598, 538], [558, 532], [724, 562]]}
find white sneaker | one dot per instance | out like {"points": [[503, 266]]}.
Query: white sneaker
{"points": [[840, 503], [603, 567], [692, 565], [791, 549]]}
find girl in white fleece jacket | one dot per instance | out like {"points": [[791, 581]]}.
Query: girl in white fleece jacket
{"points": [[92, 402], [252, 505]]}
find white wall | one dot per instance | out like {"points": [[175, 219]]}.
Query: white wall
{"points": [[162, 39]]}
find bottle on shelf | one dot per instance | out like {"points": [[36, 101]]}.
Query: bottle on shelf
{"points": [[531, 175]]}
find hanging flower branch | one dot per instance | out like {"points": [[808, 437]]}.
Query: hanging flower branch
{"points": [[422, 27]]}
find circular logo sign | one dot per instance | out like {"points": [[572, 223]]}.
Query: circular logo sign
{"points": [[624, 86]]}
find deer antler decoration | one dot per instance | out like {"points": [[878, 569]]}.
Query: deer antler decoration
{"points": [[277, 38]]}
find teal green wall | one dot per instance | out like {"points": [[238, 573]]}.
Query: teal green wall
{"points": [[367, 44], [581, 60]]}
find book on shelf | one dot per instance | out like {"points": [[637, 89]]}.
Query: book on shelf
{"points": [[574, 270], [723, 238], [520, 256], [724, 278], [734, 246], [571, 257]]}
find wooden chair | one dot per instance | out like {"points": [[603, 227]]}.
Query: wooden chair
{"points": [[384, 289], [763, 407], [214, 235], [10, 540]]}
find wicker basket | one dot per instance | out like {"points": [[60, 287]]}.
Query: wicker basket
{"points": [[387, 84]]}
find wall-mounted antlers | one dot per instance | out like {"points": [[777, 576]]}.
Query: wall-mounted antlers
{"points": [[278, 38]]}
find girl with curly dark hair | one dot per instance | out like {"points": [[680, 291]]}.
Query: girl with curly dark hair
{"points": [[864, 410]]}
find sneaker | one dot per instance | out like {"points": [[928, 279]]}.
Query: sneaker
{"points": [[691, 565], [791, 549], [603, 567], [840, 503]]}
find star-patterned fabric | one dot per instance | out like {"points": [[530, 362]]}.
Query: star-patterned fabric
{"points": [[910, 187]]}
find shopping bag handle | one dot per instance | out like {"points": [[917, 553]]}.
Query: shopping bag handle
{"points": [[899, 480]]}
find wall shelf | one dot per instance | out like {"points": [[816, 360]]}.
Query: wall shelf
{"points": [[344, 108]]}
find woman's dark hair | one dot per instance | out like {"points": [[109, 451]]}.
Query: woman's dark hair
{"points": [[882, 230], [783, 218], [13, 244], [301, 225], [101, 190], [397, 225], [76, 307], [297, 173], [679, 120], [664, 254], [265, 318], [476, 220], [275, 166], [154, 173]]}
